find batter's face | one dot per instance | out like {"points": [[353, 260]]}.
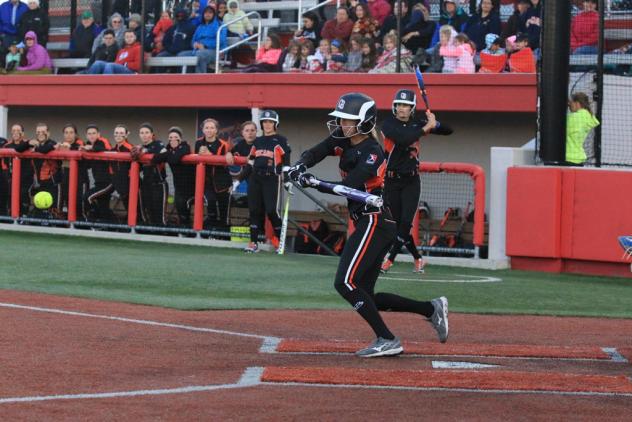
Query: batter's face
{"points": [[92, 135], [403, 111], [209, 130], [249, 133], [146, 135], [268, 127], [349, 127]]}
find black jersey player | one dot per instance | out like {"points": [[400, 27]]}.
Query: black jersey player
{"points": [[402, 185], [362, 166]]}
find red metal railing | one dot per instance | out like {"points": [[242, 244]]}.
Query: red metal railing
{"points": [[200, 161]]}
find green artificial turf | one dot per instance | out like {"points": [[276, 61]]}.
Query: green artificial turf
{"points": [[190, 277]]}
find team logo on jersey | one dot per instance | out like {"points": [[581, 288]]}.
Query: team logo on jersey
{"points": [[341, 104], [371, 159]]}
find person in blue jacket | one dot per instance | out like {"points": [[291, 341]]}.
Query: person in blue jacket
{"points": [[10, 14], [204, 40]]}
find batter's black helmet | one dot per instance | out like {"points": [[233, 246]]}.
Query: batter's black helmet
{"points": [[270, 115], [354, 106], [405, 96]]}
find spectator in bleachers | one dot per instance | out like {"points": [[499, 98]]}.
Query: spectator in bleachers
{"points": [[493, 57], [12, 59], [292, 61], [240, 28], [183, 174], [369, 54], [268, 56], [390, 23], [521, 59], [194, 11], [365, 25], [307, 49], [453, 15], [178, 38], [222, 9], [158, 32], [517, 22], [135, 24], [318, 61], [380, 10], [107, 51], [354, 57], [339, 27], [10, 14], [585, 30], [121, 7], [218, 180], [446, 39], [419, 30], [38, 61], [485, 21], [338, 57], [387, 62], [204, 40], [36, 20], [461, 49], [82, 38], [127, 60], [311, 28], [533, 25], [153, 9], [115, 23]]}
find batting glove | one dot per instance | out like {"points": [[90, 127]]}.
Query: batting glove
{"points": [[305, 180], [296, 171]]}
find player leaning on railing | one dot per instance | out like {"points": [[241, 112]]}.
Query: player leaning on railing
{"points": [[362, 166], [96, 201], [402, 185], [120, 169]]}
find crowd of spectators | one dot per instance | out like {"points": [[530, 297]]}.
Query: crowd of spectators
{"points": [[361, 37]]}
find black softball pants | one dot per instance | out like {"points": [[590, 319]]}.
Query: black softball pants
{"points": [[263, 200], [402, 196]]}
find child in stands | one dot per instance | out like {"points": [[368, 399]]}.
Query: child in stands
{"points": [[521, 59], [338, 56], [493, 57], [461, 49]]}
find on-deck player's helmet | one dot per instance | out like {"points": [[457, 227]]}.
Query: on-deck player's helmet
{"points": [[353, 106], [405, 96], [270, 115]]}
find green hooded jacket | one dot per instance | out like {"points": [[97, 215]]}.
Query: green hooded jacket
{"points": [[578, 125]]}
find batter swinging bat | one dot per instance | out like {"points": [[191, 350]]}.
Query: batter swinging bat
{"points": [[353, 194], [286, 211], [422, 87]]}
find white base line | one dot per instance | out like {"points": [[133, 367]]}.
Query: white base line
{"points": [[455, 390], [251, 377]]}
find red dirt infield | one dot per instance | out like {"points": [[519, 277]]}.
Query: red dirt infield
{"points": [[68, 359]]}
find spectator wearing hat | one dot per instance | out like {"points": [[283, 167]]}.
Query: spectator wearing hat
{"points": [[10, 14], [35, 19], [585, 30], [12, 60], [116, 24], [82, 38], [338, 57], [493, 56], [339, 27], [240, 28], [135, 23], [522, 59], [485, 21], [178, 38], [37, 59], [183, 175]]}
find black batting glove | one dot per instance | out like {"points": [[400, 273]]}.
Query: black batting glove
{"points": [[305, 180], [295, 172]]}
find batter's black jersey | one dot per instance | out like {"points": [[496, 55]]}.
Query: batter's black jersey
{"points": [[362, 166], [401, 143], [154, 173], [269, 153]]}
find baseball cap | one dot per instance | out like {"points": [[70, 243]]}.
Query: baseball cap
{"points": [[87, 15]]}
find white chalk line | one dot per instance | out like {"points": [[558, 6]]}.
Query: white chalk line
{"points": [[250, 378], [455, 390], [269, 342], [466, 279]]}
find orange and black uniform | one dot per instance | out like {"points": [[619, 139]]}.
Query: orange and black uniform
{"points": [[26, 173], [83, 181], [120, 173], [154, 188], [47, 173], [217, 185], [268, 155], [402, 185], [96, 201], [363, 167], [183, 178]]}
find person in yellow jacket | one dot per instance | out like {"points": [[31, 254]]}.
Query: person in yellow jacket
{"points": [[240, 28], [580, 121]]}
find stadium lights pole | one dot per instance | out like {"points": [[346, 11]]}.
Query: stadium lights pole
{"points": [[398, 53], [599, 95]]}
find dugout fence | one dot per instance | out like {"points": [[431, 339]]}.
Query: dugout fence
{"points": [[459, 187]]}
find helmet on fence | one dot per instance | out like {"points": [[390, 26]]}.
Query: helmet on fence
{"points": [[405, 96], [270, 115], [353, 106]]}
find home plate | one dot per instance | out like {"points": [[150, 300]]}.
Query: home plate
{"points": [[443, 364]]}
